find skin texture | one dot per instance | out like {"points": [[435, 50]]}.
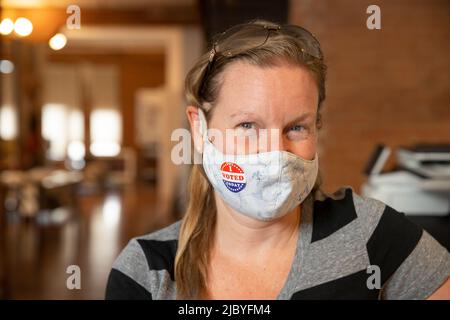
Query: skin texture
{"points": [[285, 98], [443, 293]]}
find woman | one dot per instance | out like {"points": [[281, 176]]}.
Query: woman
{"points": [[257, 225]]}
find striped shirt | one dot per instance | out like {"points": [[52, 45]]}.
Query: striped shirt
{"points": [[344, 242]]}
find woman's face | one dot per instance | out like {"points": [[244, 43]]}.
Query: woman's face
{"points": [[253, 98]]}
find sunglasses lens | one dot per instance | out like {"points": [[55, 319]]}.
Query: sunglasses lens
{"points": [[238, 36], [224, 43], [309, 42]]}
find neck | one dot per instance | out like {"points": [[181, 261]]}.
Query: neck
{"points": [[243, 237]]}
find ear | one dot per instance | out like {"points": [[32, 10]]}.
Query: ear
{"points": [[194, 121]]}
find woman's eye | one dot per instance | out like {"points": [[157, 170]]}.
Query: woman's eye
{"points": [[246, 125], [298, 128], [299, 132]]}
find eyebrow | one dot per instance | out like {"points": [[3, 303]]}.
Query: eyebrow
{"points": [[304, 116], [240, 113]]}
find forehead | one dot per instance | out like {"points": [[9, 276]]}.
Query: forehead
{"points": [[283, 87]]}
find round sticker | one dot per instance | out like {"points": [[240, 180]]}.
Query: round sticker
{"points": [[233, 176]]}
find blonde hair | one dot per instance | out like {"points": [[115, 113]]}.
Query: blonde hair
{"points": [[202, 87]]}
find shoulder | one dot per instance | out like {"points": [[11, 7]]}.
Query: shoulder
{"points": [[156, 249], [412, 264], [165, 234], [386, 235], [145, 264], [375, 221]]}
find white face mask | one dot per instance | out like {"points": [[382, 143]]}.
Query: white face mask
{"points": [[263, 186]]}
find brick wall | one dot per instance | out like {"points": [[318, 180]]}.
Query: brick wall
{"points": [[387, 86]]}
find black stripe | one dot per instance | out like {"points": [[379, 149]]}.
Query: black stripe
{"points": [[392, 241], [351, 287], [331, 215], [122, 287], [160, 254]]}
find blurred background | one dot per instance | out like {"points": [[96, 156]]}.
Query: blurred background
{"points": [[90, 92]]}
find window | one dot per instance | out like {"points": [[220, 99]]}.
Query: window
{"points": [[63, 118], [8, 113], [106, 132], [106, 119]]}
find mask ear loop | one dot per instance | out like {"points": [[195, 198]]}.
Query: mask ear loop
{"points": [[203, 132], [203, 124]]}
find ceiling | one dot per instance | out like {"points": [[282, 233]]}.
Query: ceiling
{"points": [[94, 4]]}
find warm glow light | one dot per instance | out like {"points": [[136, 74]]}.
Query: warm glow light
{"points": [[76, 125], [6, 66], [8, 123], [111, 211], [105, 149], [76, 150], [63, 128], [23, 27], [6, 27], [58, 41], [106, 132], [54, 129]]}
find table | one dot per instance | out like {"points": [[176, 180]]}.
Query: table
{"points": [[31, 189]]}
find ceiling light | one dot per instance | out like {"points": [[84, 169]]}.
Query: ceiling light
{"points": [[23, 27], [58, 41], [6, 66], [6, 27]]}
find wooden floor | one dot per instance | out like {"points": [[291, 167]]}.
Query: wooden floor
{"points": [[38, 252]]}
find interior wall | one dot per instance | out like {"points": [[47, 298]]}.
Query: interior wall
{"points": [[384, 86]]}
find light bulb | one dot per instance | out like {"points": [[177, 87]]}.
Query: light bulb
{"points": [[6, 66], [23, 27], [6, 27], [58, 41]]}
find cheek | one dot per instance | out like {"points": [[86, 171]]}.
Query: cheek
{"points": [[216, 134], [306, 149]]}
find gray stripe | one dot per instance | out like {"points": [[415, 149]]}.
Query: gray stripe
{"points": [[369, 212], [167, 233], [424, 271], [340, 254], [133, 263]]}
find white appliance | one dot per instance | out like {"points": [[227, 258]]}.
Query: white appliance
{"points": [[421, 186]]}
